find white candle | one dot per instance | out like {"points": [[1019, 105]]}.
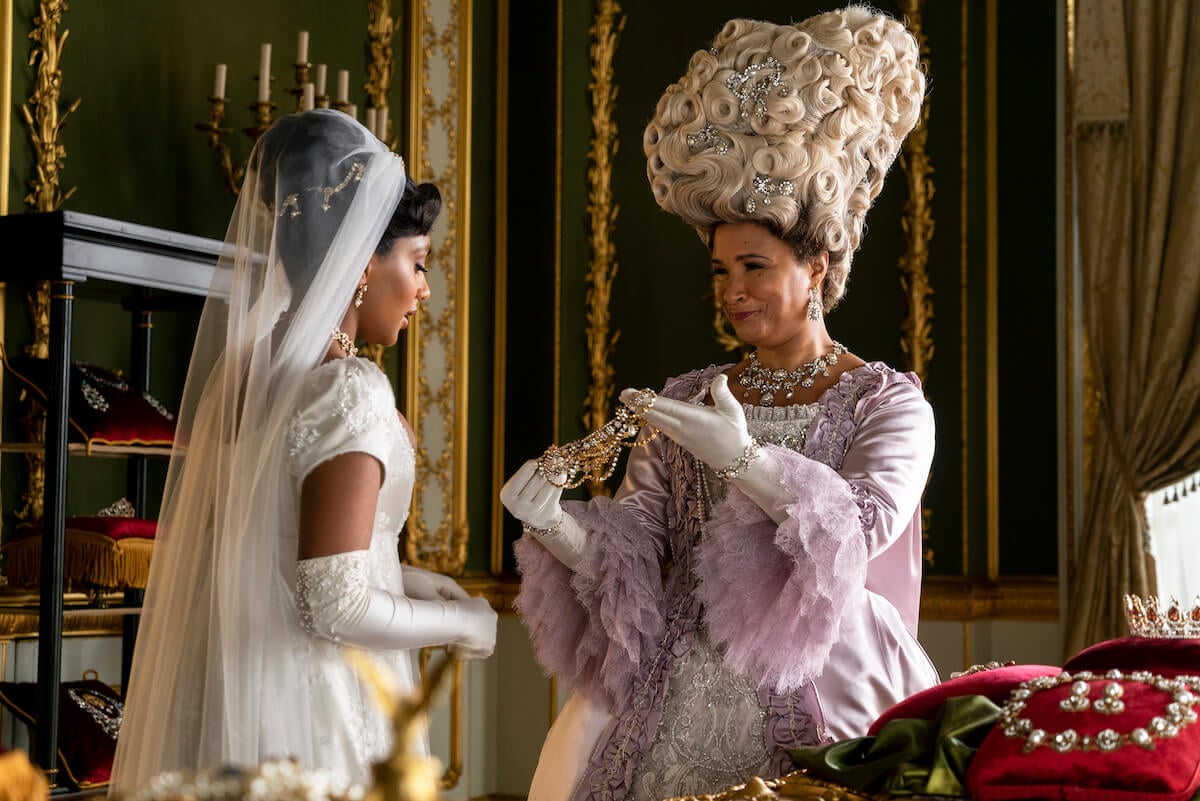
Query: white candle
{"points": [[309, 101], [343, 94], [219, 83], [302, 48], [264, 74], [352, 110], [320, 80], [370, 123], [381, 122]]}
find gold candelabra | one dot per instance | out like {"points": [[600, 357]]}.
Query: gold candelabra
{"points": [[263, 115]]}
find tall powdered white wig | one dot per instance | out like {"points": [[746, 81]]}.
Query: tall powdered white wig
{"points": [[790, 126]]}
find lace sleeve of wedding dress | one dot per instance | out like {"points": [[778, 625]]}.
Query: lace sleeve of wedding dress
{"points": [[347, 406], [334, 600]]}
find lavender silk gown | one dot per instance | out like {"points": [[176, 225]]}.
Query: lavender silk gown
{"points": [[702, 640]]}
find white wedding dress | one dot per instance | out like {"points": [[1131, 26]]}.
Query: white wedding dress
{"points": [[348, 406]]}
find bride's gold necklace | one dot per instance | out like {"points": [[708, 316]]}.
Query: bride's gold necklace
{"points": [[769, 382], [345, 343]]}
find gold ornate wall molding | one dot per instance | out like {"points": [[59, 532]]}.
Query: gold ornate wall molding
{"points": [[957, 598], [500, 284], [917, 328], [6, 54], [381, 28], [45, 121], [41, 111], [439, 122], [607, 25]]}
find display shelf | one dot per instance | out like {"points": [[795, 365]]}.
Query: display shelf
{"points": [[144, 270], [82, 449]]}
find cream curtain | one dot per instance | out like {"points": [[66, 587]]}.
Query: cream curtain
{"points": [[1137, 117]]}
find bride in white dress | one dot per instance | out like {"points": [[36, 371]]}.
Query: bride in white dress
{"points": [[292, 477]]}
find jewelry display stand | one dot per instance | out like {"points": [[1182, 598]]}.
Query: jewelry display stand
{"points": [[144, 270]]}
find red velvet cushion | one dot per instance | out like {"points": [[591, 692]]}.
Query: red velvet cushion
{"points": [[89, 717], [995, 684], [118, 528], [1170, 772], [103, 408], [1169, 657]]}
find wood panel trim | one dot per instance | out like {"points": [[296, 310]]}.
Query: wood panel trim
{"points": [[958, 598]]}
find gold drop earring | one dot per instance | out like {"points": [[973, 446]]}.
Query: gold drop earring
{"points": [[359, 294]]}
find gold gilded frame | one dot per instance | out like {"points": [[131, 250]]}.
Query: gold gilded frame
{"points": [[917, 328], [6, 55], [500, 309], [602, 218], [45, 122], [439, 140]]}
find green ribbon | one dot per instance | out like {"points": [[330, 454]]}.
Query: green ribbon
{"points": [[909, 756]]}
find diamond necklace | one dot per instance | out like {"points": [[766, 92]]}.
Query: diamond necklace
{"points": [[345, 342], [769, 382]]}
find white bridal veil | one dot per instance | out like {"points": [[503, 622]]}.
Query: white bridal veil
{"points": [[215, 677]]}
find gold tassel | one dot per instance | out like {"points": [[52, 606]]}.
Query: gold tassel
{"points": [[92, 560], [136, 553], [89, 560], [24, 561]]}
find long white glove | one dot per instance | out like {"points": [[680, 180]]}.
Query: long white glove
{"points": [[718, 436], [533, 500], [425, 585], [336, 602]]}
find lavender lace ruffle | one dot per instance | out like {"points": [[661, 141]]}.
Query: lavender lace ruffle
{"points": [[593, 628], [799, 577]]}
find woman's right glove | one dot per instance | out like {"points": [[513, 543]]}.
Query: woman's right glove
{"points": [[335, 601], [532, 499], [718, 435]]}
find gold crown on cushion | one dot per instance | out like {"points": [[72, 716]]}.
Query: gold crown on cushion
{"points": [[1148, 619]]}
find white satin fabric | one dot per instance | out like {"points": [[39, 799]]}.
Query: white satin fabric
{"points": [[348, 406]]}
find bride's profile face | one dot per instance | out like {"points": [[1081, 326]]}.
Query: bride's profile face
{"points": [[395, 287]]}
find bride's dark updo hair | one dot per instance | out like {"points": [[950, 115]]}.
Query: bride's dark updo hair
{"points": [[308, 168], [414, 216]]}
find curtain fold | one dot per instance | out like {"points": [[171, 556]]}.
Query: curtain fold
{"points": [[1137, 118]]}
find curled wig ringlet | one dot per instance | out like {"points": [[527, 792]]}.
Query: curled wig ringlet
{"points": [[790, 126]]}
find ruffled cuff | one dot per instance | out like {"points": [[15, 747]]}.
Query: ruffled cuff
{"points": [[776, 596], [592, 626]]}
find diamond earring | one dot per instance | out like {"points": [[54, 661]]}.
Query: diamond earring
{"points": [[359, 294], [814, 304]]}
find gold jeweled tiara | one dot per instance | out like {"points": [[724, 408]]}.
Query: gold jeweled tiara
{"points": [[1147, 618]]}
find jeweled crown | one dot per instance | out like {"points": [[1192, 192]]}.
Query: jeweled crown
{"points": [[1147, 618]]}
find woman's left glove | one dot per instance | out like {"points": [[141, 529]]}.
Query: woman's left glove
{"points": [[718, 436], [429, 586]]}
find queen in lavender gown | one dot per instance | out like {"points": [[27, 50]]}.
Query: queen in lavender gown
{"points": [[754, 585]]}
